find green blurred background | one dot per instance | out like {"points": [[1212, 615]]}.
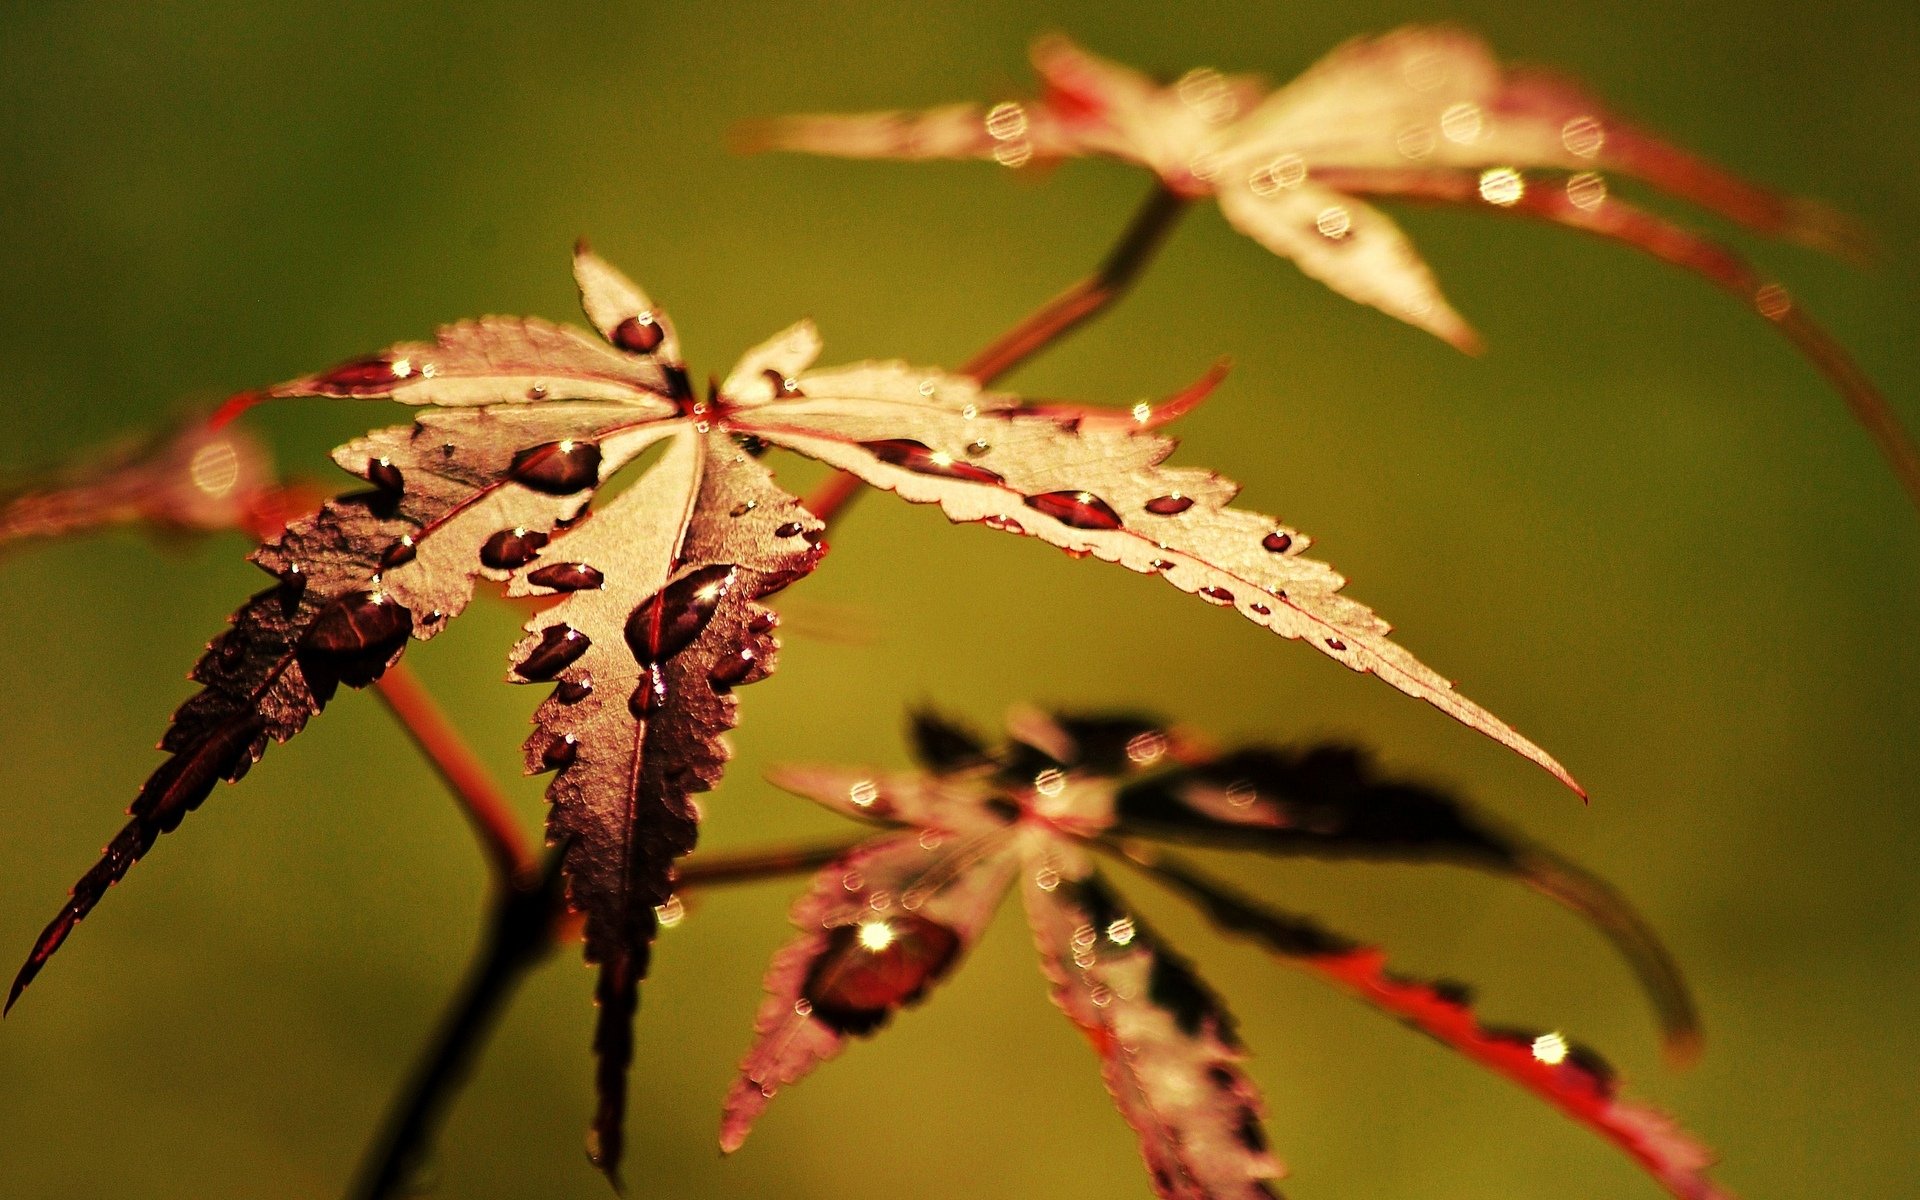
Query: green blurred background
{"points": [[1638, 528]]}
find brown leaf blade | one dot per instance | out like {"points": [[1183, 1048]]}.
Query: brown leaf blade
{"points": [[658, 623]]}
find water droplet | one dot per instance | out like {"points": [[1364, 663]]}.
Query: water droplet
{"points": [[400, 553], [560, 645], [880, 902], [802, 1007], [293, 586], [1146, 748], [1046, 879], [920, 459], [1336, 644], [977, 448], [572, 691], [853, 881], [1050, 782], [930, 839], [1169, 505], [668, 623], [560, 753], [365, 376], [1241, 794], [1334, 222], [512, 548], [790, 529], [1078, 510], [382, 474], [1584, 136], [1099, 995], [1163, 565], [557, 468], [1216, 595], [650, 694], [1278, 542], [863, 793], [763, 621], [1772, 301], [733, 669], [1463, 123], [784, 388], [567, 577], [1003, 524], [1415, 142], [357, 633], [671, 913], [639, 334], [1587, 190], [1006, 121], [1259, 610], [869, 969], [1084, 937], [743, 508], [537, 392], [1502, 186], [1120, 931], [1286, 171]]}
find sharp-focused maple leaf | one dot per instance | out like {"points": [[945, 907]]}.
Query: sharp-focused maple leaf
{"points": [[892, 916], [1419, 113], [658, 617]]}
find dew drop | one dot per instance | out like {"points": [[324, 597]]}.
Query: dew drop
{"points": [[869, 969], [733, 669], [357, 633], [803, 1007], [1772, 301], [1003, 524], [382, 474], [1277, 542], [567, 577], [1046, 879], [1078, 510], [557, 468], [790, 529], [1502, 186], [921, 460], [1259, 610], [293, 586], [671, 913], [743, 508], [559, 646], [1216, 595], [783, 387], [1463, 123], [573, 691], [537, 392], [764, 621], [1334, 222], [365, 376], [1584, 136], [639, 334], [512, 548], [863, 793], [400, 553], [1169, 505], [1336, 644], [1163, 565], [560, 753], [1587, 190], [668, 623]]}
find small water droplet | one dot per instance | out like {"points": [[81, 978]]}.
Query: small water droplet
{"points": [[400, 553], [1336, 644], [853, 881], [557, 468], [1241, 794], [880, 901], [1277, 542], [790, 529], [567, 577], [1587, 190], [668, 622], [382, 474], [365, 376], [1146, 748], [293, 586], [560, 645], [512, 548], [863, 793], [537, 392], [1100, 996], [743, 508], [733, 669], [922, 460], [1584, 136], [560, 753], [784, 388], [802, 1007], [1216, 595], [1163, 564], [1463, 123], [975, 449], [1046, 879], [671, 913], [1077, 510], [639, 334], [1259, 610], [1169, 505], [1003, 524], [764, 621], [573, 691], [1334, 222]]}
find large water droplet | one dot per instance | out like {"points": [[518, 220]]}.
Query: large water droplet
{"points": [[668, 623], [573, 691], [733, 669], [366, 376], [559, 646], [1170, 505], [1216, 595], [790, 529], [1277, 542], [382, 474], [922, 460], [560, 753], [567, 577], [557, 468], [512, 548], [639, 334], [868, 970], [1080, 510], [399, 554], [352, 638]]}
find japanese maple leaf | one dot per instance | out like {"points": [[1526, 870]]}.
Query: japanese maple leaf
{"points": [[894, 915], [1425, 114], [657, 614]]}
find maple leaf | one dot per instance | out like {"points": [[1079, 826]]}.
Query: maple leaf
{"points": [[657, 617], [894, 915], [1420, 113]]}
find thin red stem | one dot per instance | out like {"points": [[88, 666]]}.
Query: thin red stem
{"points": [[711, 870]]}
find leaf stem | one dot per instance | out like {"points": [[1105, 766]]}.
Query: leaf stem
{"points": [[522, 931], [1139, 242], [480, 798]]}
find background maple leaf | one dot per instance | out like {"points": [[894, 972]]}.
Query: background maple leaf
{"points": [[1719, 588]]}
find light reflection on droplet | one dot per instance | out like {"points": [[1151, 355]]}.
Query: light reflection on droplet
{"points": [[1142, 412], [1584, 136], [1773, 301], [1285, 171], [1463, 123], [1424, 71], [803, 1007], [932, 839], [968, 412], [1046, 879], [1204, 166], [864, 793], [1049, 782], [1334, 222], [1120, 932], [215, 468], [880, 901], [402, 368], [876, 935], [928, 387], [1415, 141], [1101, 997], [1013, 154], [1587, 190], [1502, 186], [1550, 1048], [428, 370], [1144, 748], [671, 913], [1241, 794], [1084, 937], [853, 881], [1205, 91], [1006, 121]]}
